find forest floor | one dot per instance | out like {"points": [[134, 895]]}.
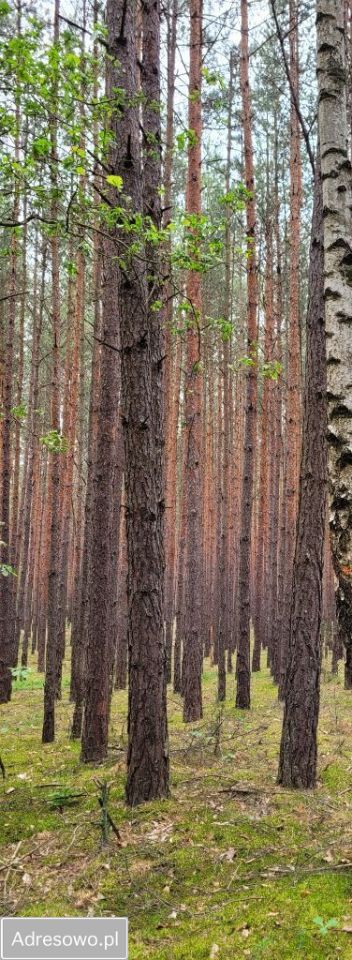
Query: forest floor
{"points": [[230, 866]]}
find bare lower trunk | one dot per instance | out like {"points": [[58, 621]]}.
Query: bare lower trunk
{"points": [[100, 507], [298, 753]]}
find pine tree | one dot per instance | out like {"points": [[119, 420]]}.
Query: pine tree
{"points": [[298, 753], [193, 653], [244, 603]]}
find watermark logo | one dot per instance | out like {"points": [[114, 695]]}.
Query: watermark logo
{"points": [[64, 938]]}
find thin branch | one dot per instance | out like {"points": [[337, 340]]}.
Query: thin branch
{"points": [[14, 296], [72, 23], [22, 223], [104, 343]]}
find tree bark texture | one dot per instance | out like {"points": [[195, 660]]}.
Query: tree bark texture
{"points": [[193, 650], [244, 602], [337, 202], [293, 395], [141, 399], [298, 751]]}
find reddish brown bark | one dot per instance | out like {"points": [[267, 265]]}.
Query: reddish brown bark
{"points": [[192, 659], [70, 433], [172, 371], [29, 619], [171, 502], [50, 686], [122, 605], [211, 491], [244, 611], [223, 467], [276, 539], [42, 566], [293, 398], [99, 593], [76, 539], [2, 372], [180, 577], [6, 553], [80, 603], [266, 450], [15, 528], [31, 465], [225, 568], [237, 474]]}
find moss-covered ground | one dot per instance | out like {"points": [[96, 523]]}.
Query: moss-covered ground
{"points": [[230, 866]]}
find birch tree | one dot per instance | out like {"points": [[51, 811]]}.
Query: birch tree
{"points": [[337, 189]]}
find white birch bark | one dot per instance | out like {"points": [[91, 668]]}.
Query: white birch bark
{"points": [[337, 200]]}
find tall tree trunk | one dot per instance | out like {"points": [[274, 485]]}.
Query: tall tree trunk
{"points": [[172, 370], [276, 545], [224, 613], [244, 602], [142, 347], [42, 567], [29, 622], [193, 653], [298, 751], [15, 528], [172, 422], [337, 200], [6, 553], [50, 686], [100, 509], [181, 575], [220, 612], [122, 605], [80, 607], [293, 402], [141, 398], [31, 462], [261, 572]]}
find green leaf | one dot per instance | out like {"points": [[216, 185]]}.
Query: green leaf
{"points": [[271, 369], [188, 138], [7, 570], [156, 305], [55, 442], [20, 673], [115, 181], [19, 412], [325, 925], [41, 147], [71, 268]]}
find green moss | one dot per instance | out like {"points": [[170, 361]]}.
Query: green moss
{"points": [[334, 777]]}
